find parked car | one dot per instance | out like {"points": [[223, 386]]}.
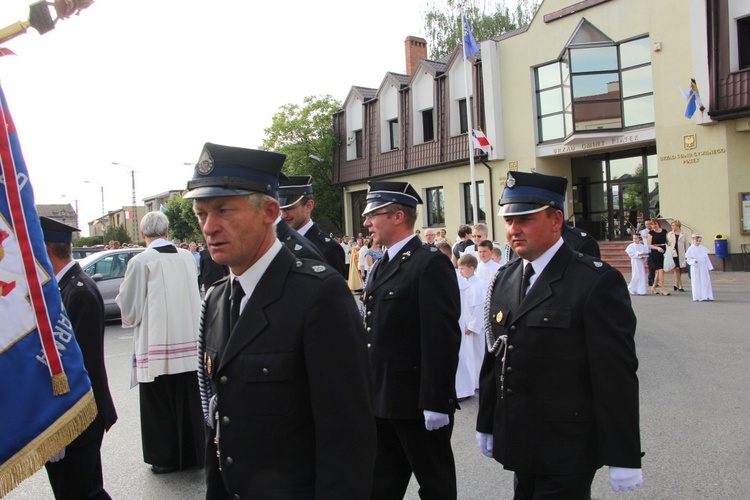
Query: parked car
{"points": [[107, 269], [81, 252]]}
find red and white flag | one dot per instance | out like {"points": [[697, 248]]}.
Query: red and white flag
{"points": [[481, 142], [128, 214]]}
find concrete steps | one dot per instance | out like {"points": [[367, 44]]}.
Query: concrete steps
{"points": [[613, 253]]}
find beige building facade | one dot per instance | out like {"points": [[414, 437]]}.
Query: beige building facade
{"points": [[591, 90]]}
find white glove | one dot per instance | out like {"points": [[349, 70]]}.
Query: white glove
{"points": [[486, 443], [434, 420], [58, 457], [624, 479]]}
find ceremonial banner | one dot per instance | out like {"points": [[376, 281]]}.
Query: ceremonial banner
{"points": [[45, 393]]}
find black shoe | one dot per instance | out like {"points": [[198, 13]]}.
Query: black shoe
{"points": [[157, 469], [681, 289], [675, 288]]}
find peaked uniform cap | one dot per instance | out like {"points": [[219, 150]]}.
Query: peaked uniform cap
{"points": [[383, 193], [293, 189], [231, 171], [55, 231], [528, 193]]}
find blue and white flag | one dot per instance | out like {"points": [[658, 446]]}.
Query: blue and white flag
{"points": [[470, 44], [45, 393]]}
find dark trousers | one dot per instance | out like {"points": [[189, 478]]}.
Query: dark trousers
{"points": [[78, 476], [651, 268], [172, 421], [544, 487], [405, 446]]}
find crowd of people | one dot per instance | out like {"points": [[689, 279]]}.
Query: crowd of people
{"points": [[417, 324], [668, 253]]}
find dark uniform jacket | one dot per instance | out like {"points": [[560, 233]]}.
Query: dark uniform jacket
{"points": [[581, 241], [413, 305], [211, 271], [301, 247], [85, 308], [329, 248], [567, 402], [293, 388]]}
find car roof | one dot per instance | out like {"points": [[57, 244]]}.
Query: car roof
{"points": [[97, 256]]}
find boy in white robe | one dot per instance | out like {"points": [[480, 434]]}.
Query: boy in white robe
{"points": [[471, 353], [638, 254], [700, 265]]}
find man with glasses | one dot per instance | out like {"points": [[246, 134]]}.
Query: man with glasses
{"points": [[412, 308], [296, 201]]}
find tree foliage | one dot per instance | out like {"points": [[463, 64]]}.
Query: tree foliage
{"points": [[183, 225], [304, 133], [117, 233], [89, 241], [443, 25]]}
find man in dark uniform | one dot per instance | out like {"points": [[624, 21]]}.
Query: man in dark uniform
{"points": [[301, 247], [413, 305], [77, 472], [558, 388], [210, 271], [296, 200], [282, 356], [581, 241]]}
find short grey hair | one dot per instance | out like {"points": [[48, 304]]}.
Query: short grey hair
{"points": [[154, 225]]}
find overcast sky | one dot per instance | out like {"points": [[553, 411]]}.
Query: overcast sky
{"points": [[146, 83]]}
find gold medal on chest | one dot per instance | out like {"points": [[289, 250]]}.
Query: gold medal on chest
{"points": [[207, 362], [499, 316]]}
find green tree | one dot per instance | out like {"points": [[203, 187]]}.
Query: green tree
{"points": [[183, 225], [117, 233], [443, 24], [89, 241], [304, 133]]}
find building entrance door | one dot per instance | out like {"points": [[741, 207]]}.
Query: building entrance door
{"points": [[626, 209]]}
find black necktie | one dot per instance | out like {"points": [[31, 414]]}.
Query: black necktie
{"points": [[528, 272], [234, 312], [381, 264]]}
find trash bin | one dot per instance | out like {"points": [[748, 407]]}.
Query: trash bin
{"points": [[721, 246]]}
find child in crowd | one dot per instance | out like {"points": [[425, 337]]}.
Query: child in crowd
{"points": [[638, 254], [471, 322], [700, 265]]}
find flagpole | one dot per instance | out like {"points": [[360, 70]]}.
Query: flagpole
{"points": [[467, 80]]}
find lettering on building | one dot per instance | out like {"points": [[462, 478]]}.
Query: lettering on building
{"points": [[693, 157]]}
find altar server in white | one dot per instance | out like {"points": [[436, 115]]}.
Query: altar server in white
{"points": [[700, 280]]}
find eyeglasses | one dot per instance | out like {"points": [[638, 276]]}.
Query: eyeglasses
{"points": [[372, 216]]}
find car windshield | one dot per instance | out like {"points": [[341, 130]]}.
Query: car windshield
{"points": [[107, 264]]}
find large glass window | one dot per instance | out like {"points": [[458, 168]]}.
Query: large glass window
{"points": [[358, 143], [469, 203], [743, 41], [603, 88], [435, 207]]}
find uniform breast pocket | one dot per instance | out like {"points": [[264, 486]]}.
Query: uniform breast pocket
{"points": [[396, 291], [268, 384], [549, 318]]}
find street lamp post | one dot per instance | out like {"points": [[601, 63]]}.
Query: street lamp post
{"points": [[135, 208], [102, 188]]}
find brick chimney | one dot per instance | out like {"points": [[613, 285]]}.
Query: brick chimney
{"points": [[416, 49]]}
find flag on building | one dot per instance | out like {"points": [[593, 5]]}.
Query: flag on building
{"points": [[45, 393], [693, 100], [128, 214], [481, 141], [470, 44], [162, 208]]}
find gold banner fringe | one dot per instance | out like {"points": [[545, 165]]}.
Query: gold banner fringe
{"points": [[34, 455], [60, 384]]}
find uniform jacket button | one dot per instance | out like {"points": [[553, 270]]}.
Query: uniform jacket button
{"points": [[509, 391], [510, 348], [264, 371], [509, 369], [236, 497], [513, 328], [369, 329], [369, 345], [229, 462], [546, 320], [224, 380], [225, 421]]}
